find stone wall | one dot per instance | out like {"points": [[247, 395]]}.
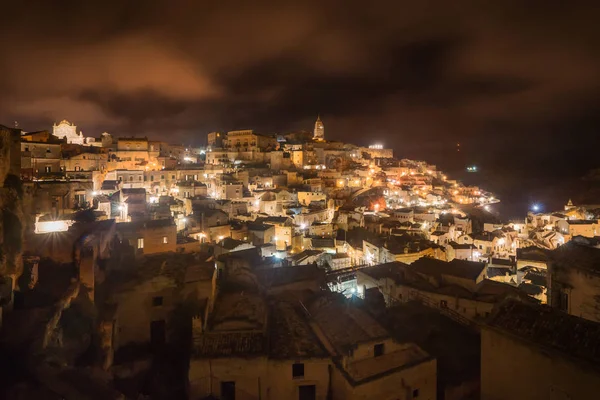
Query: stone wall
{"points": [[514, 369]]}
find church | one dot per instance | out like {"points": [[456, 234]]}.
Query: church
{"points": [[67, 130], [319, 130]]}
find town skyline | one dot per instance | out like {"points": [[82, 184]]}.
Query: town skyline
{"points": [[314, 200]]}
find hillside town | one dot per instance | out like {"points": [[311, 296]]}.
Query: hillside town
{"points": [[281, 266]]}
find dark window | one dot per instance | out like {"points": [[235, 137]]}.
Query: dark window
{"points": [[378, 349], [228, 390], [298, 370], [563, 301], [415, 393], [157, 301], [157, 333]]}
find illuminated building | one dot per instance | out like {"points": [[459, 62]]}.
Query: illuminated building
{"points": [[319, 129]]}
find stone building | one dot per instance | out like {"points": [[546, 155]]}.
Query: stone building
{"points": [[149, 237], [39, 159], [67, 131], [574, 279], [550, 355], [324, 350], [458, 288], [144, 298]]}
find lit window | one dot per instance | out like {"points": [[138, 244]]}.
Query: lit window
{"points": [[140, 243], [165, 241]]}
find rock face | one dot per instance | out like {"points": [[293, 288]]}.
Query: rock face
{"points": [[11, 213]]}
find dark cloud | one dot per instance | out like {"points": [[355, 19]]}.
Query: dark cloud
{"points": [[505, 79]]}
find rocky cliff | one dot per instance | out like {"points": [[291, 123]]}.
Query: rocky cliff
{"points": [[11, 213]]}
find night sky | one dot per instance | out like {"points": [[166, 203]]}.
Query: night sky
{"points": [[515, 82]]}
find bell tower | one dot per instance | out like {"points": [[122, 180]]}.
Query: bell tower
{"points": [[319, 129]]}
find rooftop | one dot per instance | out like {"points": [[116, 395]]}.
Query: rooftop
{"points": [[573, 255], [247, 311], [290, 334], [458, 268], [582, 222], [345, 326], [532, 253], [286, 275], [465, 246], [550, 329]]}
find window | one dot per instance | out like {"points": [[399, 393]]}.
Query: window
{"points": [[140, 243], [130, 178], [140, 178], [48, 169], [378, 349], [298, 370], [443, 304], [162, 177], [157, 301], [165, 241], [415, 393], [563, 301]]}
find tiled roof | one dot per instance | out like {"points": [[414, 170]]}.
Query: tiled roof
{"points": [[550, 328], [458, 268], [291, 336], [345, 326]]}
